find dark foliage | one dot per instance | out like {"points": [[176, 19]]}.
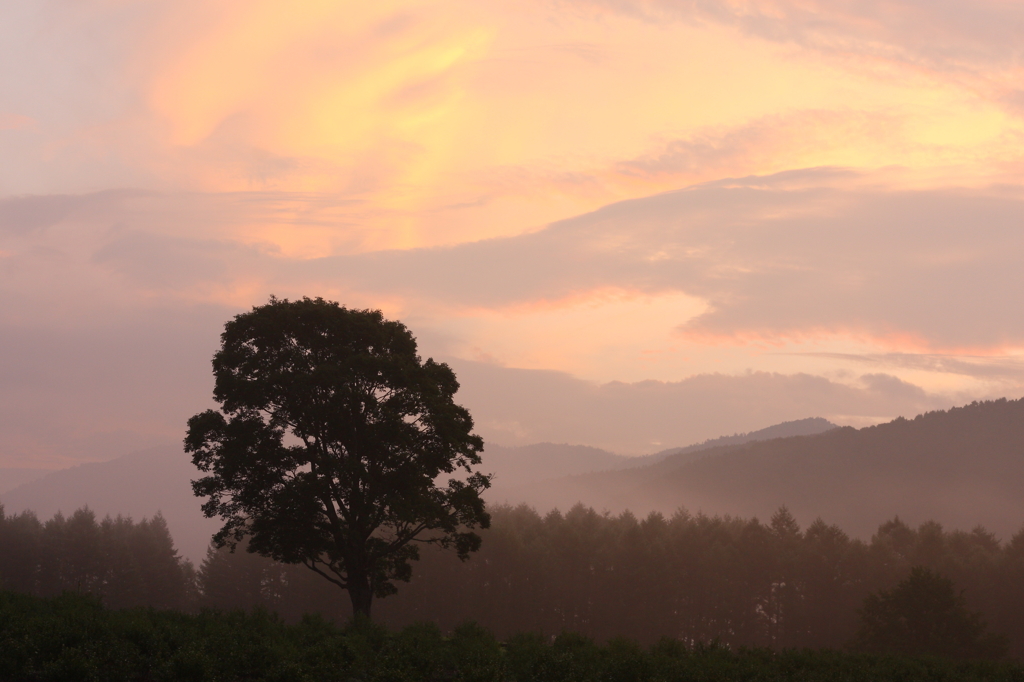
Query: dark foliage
{"points": [[72, 638], [330, 441], [700, 578], [692, 578], [925, 615]]}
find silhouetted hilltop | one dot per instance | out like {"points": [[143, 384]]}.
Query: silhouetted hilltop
{"points": [[799, 427], [961, 467]]}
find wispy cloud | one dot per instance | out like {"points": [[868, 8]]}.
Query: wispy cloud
{"points": [[773, 144], [1006, 367], [452, 122], [955, 35]]}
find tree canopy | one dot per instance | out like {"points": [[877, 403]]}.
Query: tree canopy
{"points": [[329, 445]]}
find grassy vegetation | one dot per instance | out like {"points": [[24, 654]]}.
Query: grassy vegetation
{"points": [[72, 637]]}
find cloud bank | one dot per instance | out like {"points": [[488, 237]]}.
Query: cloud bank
{"points": [[660, 221], [656, 322]]}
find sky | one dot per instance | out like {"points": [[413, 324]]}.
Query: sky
{"points": [[632, 224]]}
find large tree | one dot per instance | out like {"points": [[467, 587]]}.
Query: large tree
{"points": [[329, 446]]}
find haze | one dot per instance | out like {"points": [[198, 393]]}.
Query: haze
{"points": [[630, 225]]}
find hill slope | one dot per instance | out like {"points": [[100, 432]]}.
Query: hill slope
{"points": [[962, 468], [525, 465], [800, 427]]}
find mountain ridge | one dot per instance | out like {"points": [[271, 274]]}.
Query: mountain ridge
{"points": [[519, 465], [961, 467], [797, 427]]}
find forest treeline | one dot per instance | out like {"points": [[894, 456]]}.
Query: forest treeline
{"points": [[123, 562], [694, 578]]}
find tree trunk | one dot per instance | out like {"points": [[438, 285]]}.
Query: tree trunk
{"points": [[361, 595]]}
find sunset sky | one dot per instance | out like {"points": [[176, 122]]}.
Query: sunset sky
{"points": [[631, 224]]}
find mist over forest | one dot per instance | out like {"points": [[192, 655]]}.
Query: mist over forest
{"points": [[960, 468], [701, 539], [777, 538], [158, 479]]}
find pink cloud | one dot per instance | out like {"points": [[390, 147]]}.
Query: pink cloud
{"points": [[110, 330], [935, 33]]}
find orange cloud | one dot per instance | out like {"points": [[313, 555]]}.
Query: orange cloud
{"points": [[455, 122], [594, 334], [434, 123]]}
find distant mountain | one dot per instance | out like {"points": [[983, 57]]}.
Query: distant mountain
{"points": [[137, 485], [12, 477], [526, 464], [962, 468], [800, 427], [516, 469]]}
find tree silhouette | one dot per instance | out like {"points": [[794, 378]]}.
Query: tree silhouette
{"points": [[20, 547], [331, 435], [924, 615]]}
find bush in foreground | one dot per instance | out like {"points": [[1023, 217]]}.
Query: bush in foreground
{"points": [[72, 637]]}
